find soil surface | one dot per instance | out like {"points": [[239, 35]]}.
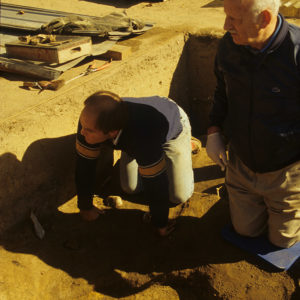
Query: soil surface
{"points": [[120, 257]]}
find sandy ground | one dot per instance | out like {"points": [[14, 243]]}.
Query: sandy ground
{"points": [[119, 257]]}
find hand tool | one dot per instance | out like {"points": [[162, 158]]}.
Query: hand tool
{"points": [[57, 84]]}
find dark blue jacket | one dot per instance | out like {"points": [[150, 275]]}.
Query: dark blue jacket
{"points": [[257, 100]]}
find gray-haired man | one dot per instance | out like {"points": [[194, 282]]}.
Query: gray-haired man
{"points": [[257, 107]]}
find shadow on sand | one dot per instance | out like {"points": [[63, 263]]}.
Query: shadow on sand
{"points": [[120, 255]]}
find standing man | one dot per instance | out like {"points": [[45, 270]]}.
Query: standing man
{"points": [[154, 135], [257, 107]]}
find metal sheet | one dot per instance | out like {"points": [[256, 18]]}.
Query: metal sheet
{"points": [[26, 18], [33, 18]]}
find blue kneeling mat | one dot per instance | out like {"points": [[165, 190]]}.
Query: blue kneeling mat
{"points": [[279, 257]]}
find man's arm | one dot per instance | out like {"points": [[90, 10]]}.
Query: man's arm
{"points": [[218, 111], [156, 189], [86, 163], [84, 179], [215, 146]]}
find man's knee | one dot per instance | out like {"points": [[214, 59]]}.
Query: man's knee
{"points": [[180, 199], [130, 190], [282, 240], [284, 229], [247, 230], [277, 238]]}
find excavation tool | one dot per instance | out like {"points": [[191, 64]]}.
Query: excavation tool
{"points": [[57, 84]]}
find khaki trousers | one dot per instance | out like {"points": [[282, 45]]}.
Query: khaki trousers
{"points": [[180, 173], [265, 202]]}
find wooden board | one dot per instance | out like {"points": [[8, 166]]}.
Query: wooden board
{"points": [[290, 8], [71, 47], [117, 52], [28, 68]]}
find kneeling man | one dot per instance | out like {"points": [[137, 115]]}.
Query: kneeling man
{"points": [[154, 134]]}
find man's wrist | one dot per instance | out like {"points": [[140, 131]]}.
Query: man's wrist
{"points": [[213, 129], [85, 208], [84, 202]]}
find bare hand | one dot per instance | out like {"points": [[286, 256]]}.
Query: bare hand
{"points": [[91, 214], [165, 231]]}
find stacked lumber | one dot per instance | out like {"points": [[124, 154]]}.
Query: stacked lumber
{"points": [[290, 8]]}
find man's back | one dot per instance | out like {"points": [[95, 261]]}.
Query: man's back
{"points": [[152, 121]]}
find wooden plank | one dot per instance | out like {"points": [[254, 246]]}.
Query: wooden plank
{"points": [[290, 8], [117, 52], [289, 3], [27, 68]]}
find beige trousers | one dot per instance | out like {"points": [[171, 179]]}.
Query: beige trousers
{"points": [[265, 202]]}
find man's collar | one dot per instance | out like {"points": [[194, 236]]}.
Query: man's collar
{"points": [[274, 35], [275, 39]]}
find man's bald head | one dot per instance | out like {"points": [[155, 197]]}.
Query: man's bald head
{"points": [[108, 109]]}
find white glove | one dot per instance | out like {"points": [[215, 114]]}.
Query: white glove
{"points": [[215, 149]]}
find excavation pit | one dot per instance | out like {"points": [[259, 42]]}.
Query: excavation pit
{"points": [[117, 256], [37, 129]]}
